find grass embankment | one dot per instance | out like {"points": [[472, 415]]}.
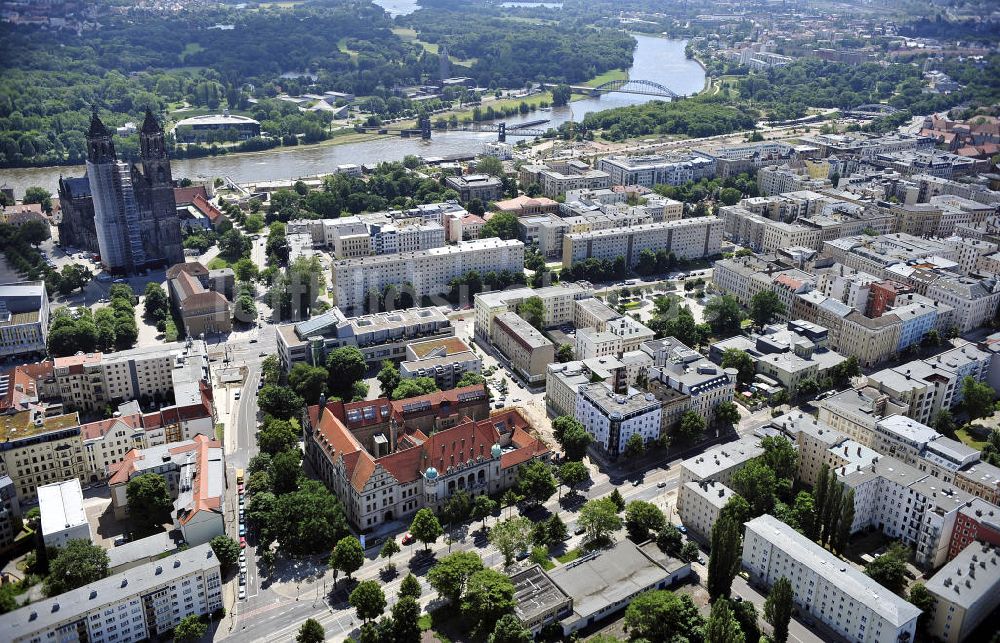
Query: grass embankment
{"points": [[410, 35]]}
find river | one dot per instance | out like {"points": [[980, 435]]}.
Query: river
{"points": [[655, 59]]}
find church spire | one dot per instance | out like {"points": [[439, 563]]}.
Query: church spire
{"points": [[151, 138], [150, 125], [97, 128]]}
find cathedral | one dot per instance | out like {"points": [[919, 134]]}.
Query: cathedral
{"points": [[127, 208]]}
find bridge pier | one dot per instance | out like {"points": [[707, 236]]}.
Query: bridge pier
{"points": [[425, 128], [502, 132]]}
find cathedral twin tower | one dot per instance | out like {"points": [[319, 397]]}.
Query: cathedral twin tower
{"points": [[135, 215]]}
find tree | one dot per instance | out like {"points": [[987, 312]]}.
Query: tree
{"points": [[405, 620], [726, 414], [502, 225], [730, 196], [388, 377], [483, 507], [690, 551], [311, 632], [308, 382], [944, 422], [572, 473], [41, 196], [190, 629], [451, 574], [389, 549], [724, 561], [764, 307], [561, 94], [616, 499], [820, 491], [691, 426], [641, 518], [414, 387], [156, 301], [368, 600], [564, 353], [270, 369], [724, 315], [977, 398], [234, 245], [246, 270], [425, 527], [511, 537], [634, 446], [757, 482], [286, 471], [488, 596], [77, 564], [276, 436], [576, 441], [280, 401], [308, 520], [923, 600], [226, 550], [742, 362], [669, 540], [458, 508], [410, 587], [889, 569], [556, 529], [844, 522], [490, 165], [721, 626], [347, 556], [345, 366], [778, 608], [149, 502], [780, 456], [535, 482], [510, 630], [805, 514], [599, 517], [532, 310], [746, 615], [661, 615]]}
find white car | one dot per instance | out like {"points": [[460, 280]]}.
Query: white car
{"points": [[243, 592]]}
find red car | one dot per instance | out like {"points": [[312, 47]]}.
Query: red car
{"points": [[243, 542], [408, 538]]}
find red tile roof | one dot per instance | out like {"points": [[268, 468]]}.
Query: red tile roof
{"points": [[213, 213], [185, 196]]}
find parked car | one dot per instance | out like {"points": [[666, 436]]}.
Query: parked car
{"points": [[243, 530], [238, 394], [243, 592], [682, 529], [408, 538], [661, 484], [243, 542], [579, 530]]}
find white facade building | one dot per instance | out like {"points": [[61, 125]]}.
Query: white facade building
{"points": [[612, 418], [63, 516]]}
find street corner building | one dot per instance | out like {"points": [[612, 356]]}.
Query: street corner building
{"points": [[387, 460]]}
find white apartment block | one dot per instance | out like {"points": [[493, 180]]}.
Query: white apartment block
{"points": [[707, 384], [24, 319], [63, 515], [824, 586], [558, 301], [720, 462], [776, 180], [686, 238], [703, 502], [967, 590], [92, 380], [428, 272], [139, 604], [612, 418], [765, 235], [974, 300], [563, 381], [614, 337], [653, 170]]}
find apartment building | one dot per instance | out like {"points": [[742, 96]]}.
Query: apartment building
{"points": [[731, 160], [24, 319], [967, 590], [138, 604], [559, 302], [819, 444], [973, 299], [696, 238], [651, 170], [563, 381], [981, 479], [91, 381], [707, 384], [785, 178], [703, 502], [475, 186], [444, 360], [463, 226], [559, 177], [10, 513], [195, 473], [612, 418], [63, 516], [524, 205], [201, 297], [874, 255], [378, 336], [978, 521], [855, 412], [36, 450], [427, 272], [528, 350], [766, 235], [614, 337], [826, 588], [380, 478]]}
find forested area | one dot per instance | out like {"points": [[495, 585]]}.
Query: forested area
{"points": [[510, 52], [695, 117]]}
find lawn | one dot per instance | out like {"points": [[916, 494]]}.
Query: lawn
{"points": [[970, 439], [606, 77], [409, 35], [569, 556], [218, 263], [191, 49], [342, 46], [436, 621], [220, 431]]}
